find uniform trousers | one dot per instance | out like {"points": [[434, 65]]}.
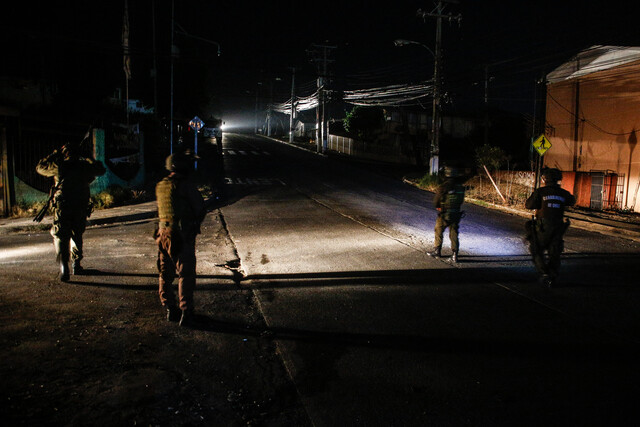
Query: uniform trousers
{"points": [[546, 246], [453, 223], [69, 224], [176, 256]]}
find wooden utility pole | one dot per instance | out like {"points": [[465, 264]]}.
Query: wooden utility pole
{"points": [[293, 103], [438, 13], [320, 56]]}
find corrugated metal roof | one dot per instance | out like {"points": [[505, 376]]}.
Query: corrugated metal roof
{"points": [[594, 59]]}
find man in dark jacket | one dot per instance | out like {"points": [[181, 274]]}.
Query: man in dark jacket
{"points": [[72, 175], [181, 210], [448, 200], [545, 232]]}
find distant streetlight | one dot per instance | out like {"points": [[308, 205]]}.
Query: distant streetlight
{"points": [[435, 120], [402, 42]]}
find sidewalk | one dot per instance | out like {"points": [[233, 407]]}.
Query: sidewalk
{"points": [[611, 224], [120, 214]]}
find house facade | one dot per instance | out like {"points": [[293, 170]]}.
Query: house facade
{"points": [[592, 122]]}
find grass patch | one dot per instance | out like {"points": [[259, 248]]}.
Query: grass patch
{"points": [[429, 182]]}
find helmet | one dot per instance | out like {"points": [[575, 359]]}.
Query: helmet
{"points": [[69, 150], [451, 172], [551, 175], [181, 162]]}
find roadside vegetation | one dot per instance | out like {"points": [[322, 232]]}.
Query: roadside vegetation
{"points": [[486, 185], [111, 197]]}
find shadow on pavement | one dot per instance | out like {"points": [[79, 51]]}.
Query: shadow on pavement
{"points": [[575, 350]]}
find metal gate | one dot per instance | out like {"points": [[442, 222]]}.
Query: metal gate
{"points": [[597, 183], [606, 190]]}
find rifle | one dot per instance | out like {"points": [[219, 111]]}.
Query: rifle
{"points": [[42, 212]]}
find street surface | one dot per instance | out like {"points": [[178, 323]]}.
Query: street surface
{"points": [[374, 332], [319, 306]]}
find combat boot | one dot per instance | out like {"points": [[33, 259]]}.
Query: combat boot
{"points": [[187, 319], [64, 271], [76, 268], [173, 313], [62, 256], [436, 253]]}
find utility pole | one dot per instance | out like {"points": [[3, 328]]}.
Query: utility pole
{"points": [[173, 8], [255, 130], [320, 55], [293, 103], [438, 13], [155, 61], [486, 104]]}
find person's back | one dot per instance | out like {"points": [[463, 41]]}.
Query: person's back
{"points": [[550, 202], [76, 175], [72, 175], [546, 233], [448, 200], [180, 211]]}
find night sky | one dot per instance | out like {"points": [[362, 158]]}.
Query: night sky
{"points": [[77, 44]]}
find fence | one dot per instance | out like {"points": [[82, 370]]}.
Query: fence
{"points": [[394, 151], [340, 144]]}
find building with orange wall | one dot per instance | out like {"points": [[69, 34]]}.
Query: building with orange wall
{"points": [[592, 122]]}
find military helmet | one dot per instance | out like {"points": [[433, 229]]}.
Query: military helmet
{"points": [[181, 161], [69, 150], [451, 172], [551, 175]]}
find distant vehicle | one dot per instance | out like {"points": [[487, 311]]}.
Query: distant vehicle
{"points": [[209, 132], [215, 132]]}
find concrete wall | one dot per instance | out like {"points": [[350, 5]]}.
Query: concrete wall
{"points": [[26, 194]]}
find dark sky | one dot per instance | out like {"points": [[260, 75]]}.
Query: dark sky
{"points": [[79, 43]]}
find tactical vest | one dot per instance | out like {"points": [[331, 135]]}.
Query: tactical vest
{"points": [[453, 199], [169, 206]]}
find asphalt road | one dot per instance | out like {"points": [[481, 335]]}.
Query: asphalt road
{"points": [[317, 305], [372, 331]]}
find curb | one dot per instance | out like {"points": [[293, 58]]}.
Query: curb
{"points": [[582, 222]]}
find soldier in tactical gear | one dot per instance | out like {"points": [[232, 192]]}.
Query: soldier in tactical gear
{"points": [[71, 200], [545, 232], [448, 200], [181, 210]]}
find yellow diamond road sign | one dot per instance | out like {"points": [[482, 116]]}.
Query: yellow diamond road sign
{"points": [[541, 144]]}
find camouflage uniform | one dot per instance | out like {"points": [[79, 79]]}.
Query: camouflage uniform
{"points": [[448, 200], [181, 210], [545, 233], [72, 175]]}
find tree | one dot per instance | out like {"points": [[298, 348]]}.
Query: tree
{"points": [[490, 156], [361, 121]]}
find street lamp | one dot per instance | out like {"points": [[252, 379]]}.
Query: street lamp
{"points": [[402, 42], [435, 120]]}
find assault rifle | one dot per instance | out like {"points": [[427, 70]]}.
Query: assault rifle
{"points": [[42, 212]]}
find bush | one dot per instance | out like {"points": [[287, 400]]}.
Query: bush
{"points": [[490, 156], [113, 196], [430, 182], [22, 210]]}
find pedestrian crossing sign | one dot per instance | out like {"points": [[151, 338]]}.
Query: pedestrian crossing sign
{"points": [[541, 144]]}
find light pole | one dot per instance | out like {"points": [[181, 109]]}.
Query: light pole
{"points": [[174, 53], [435, 119]]}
